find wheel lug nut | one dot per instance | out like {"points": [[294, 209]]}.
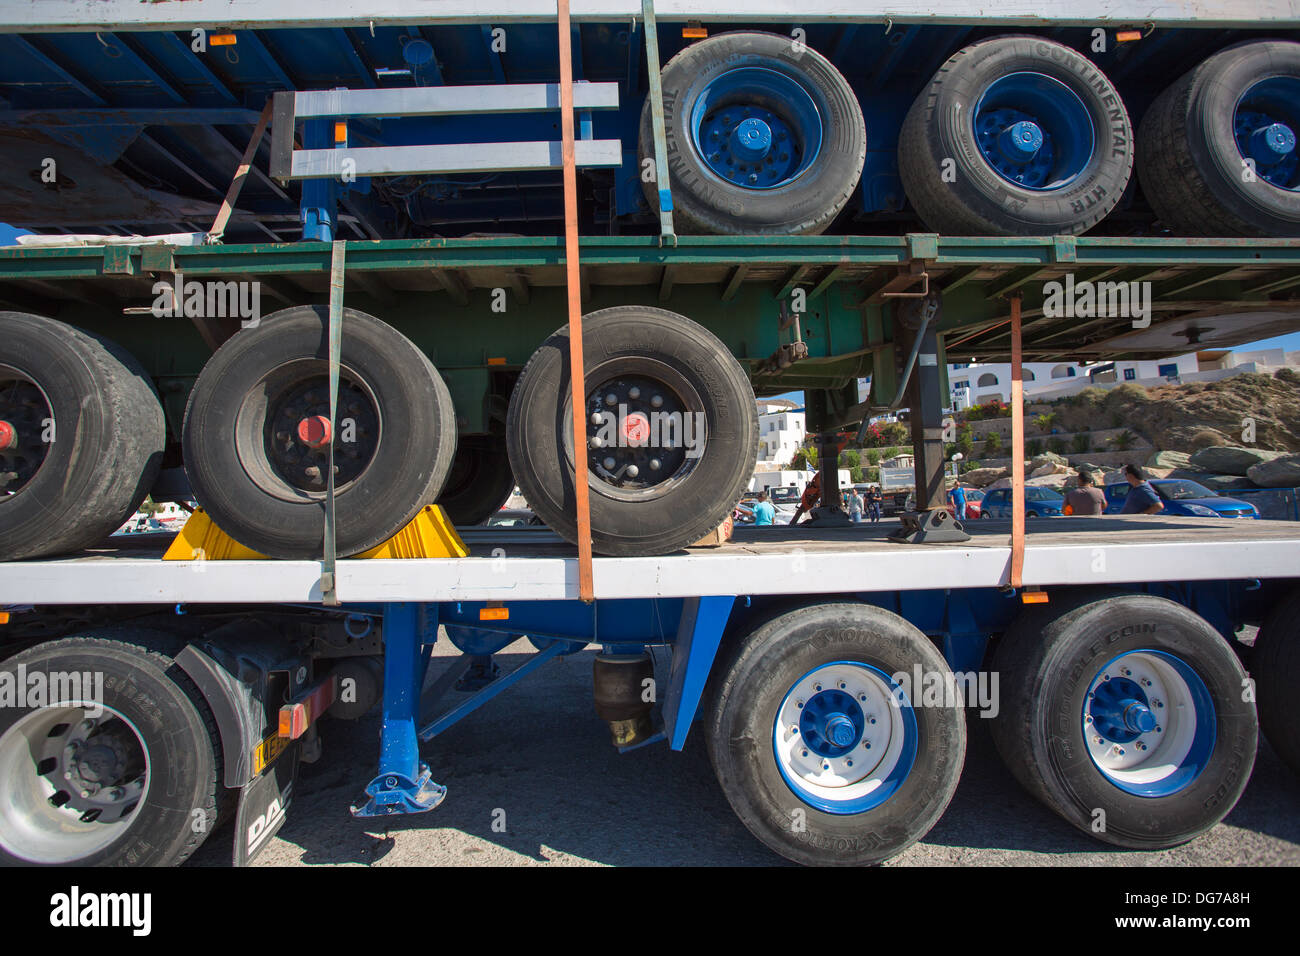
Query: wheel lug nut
{"points": [[611, 399], [654, 464], [609, 464], [752, 179], [656, 401], [597, 443], [633, 471], [597, 419], [634, 392]]}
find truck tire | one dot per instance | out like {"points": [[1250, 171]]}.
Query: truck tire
{"points": [[868, 771], [1217, 150], [1015, 136], [659, 367], [135, 785], [1123, 713], [1276, 669], [764, 137], [480, 480], [81, 437], [255, 448]]}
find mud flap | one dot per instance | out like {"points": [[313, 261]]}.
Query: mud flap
{"points": [[264, 805]]}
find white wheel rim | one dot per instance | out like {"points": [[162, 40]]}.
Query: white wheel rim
{"points": [[32, 826], [1148, 723], [876, 751]]}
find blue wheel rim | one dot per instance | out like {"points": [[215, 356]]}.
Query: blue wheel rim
{"points": [[1148, 722], [845, 737], [1033, 131], [756, 128], [1265, 125]]}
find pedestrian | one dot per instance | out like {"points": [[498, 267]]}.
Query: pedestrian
{"points": [[958, 499], [874, 500], [1087, 498], [811, 498], [764, 513], [855, 506], [1141, 498]]}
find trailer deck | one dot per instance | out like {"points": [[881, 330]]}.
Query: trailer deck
{"points": [[536, 565]]}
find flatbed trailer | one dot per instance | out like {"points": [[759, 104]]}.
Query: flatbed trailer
{"points": [[831, 670], [255, 645]]}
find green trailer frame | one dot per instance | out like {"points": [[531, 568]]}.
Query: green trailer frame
{"points": [[479, 307]]}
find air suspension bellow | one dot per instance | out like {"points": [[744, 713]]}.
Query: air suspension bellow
{"points": [[622, 685]]}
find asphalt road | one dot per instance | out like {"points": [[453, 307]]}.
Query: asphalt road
{"points": [[539, 755]]}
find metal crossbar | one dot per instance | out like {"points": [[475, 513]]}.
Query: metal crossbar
{"points": [[288, 163]]}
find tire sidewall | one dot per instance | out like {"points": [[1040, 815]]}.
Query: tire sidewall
{"points": [[88, 448], [1086, 640], [711, 203], [182, 769], [1217, 87], [741, 748], [539, 419], [949, 134], [402, 476]]}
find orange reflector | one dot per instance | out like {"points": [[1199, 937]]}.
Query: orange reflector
{"points": [[4, 617], [497, 361], [1128, 36], [222, 39], [1033, 597], [296, 717], [340, 132], [695, 32], [494, 614]]}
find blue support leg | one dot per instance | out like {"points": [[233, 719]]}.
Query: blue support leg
{"points": [[698, 636], [403, 784]]}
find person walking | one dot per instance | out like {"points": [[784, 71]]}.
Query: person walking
{"points": [[1087, 498], [874, 500], [855, 506], [1141, 498], [957, 497], [812, 496], [764, 513]]}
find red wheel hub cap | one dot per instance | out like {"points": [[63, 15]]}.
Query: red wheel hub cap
{"points": [[314, 431], [8, 436]]}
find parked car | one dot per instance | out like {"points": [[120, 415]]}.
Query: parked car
{"points": [[1039, 503], [974, 503], [513, 518], [1183, 497]]}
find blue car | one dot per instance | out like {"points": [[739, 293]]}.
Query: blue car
{"points": [[1039, 503], [1183, 497]]}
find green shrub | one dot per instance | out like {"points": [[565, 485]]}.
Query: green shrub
{"points": [[1080, 444]]}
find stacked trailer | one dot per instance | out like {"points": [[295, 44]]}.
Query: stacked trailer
{"points": [[866, 227]]}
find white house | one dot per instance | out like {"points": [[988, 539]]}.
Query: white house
{"points": [[977, 383], [781, 430]]}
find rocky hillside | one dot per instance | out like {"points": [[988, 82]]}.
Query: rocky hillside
{"points": [[1191, 417]]}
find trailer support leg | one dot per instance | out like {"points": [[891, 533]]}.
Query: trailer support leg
{"points": [[931, 522], [403, 784]]}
